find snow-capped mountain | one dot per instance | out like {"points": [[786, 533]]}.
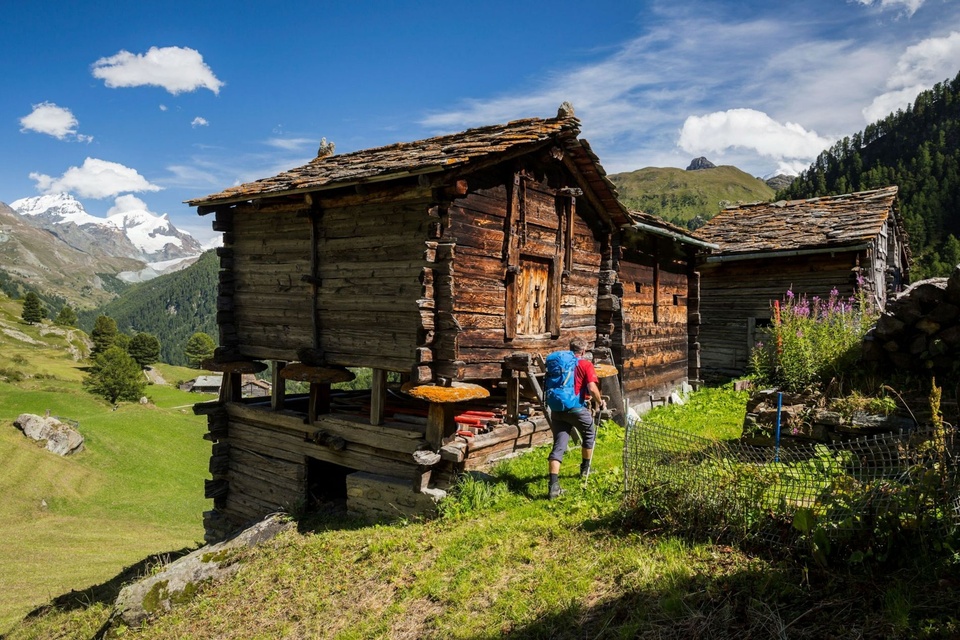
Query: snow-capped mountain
{"points": [[129, 230]]}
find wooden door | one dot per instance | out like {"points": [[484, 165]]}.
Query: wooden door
{"points": [[533, 296]]}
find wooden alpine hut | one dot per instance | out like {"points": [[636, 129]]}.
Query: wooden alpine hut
{"points": [[448, 266], [811, 247]]}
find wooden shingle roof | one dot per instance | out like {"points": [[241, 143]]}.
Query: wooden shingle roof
{"points": [[831, 221]]}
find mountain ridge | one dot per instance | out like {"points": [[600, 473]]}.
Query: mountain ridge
{"points": [[132, 230], [688, 197], [50, 245]]}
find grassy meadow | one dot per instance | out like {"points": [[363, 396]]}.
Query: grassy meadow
{"points": [[136, 489], [500, 560]]}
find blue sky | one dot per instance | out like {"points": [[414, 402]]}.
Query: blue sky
{"points": [[168, 101]]}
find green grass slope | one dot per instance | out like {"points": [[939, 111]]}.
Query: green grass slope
{"points": [[681, 196], [505, 562], [135, 490]]}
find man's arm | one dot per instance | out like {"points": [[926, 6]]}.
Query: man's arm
{"points": [[596, 398]]}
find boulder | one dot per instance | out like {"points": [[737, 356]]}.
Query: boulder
{"points": [[57, 437], [179, 580]]}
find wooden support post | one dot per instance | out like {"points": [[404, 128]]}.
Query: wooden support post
{"points": [[230, 386], [278, 390], [440, 423], [532, 377], [378, 396], [421, 478], [319, 400], [513, 397]]}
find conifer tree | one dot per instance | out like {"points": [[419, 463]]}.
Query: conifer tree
{"points": [[144, 348], [199, 347], [104, 334], [32, 309], [67, 317], [115, 376]]}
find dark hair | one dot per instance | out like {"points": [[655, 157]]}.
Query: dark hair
{"points": [[578, 345]]}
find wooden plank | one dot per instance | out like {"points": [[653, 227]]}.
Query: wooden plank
{"points": [[378, 391]]}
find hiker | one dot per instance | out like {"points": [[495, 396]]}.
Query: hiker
{"points": [[571, 389]]}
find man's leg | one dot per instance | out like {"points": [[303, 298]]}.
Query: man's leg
{"points": [[589, 432], [561, 436]]}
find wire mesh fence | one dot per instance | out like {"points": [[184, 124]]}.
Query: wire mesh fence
{"points": [[736, 491]]}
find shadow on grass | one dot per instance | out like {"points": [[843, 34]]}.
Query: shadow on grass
{"points": [[758, 602], [107, 592]]}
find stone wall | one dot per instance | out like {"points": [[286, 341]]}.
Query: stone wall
{"points": [[803, 420], [920, 330]]}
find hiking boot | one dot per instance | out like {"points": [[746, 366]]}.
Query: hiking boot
{"points": [[555, 491], [585, 469]]}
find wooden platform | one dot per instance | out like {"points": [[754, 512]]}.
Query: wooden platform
{"points": [[266, 460]]}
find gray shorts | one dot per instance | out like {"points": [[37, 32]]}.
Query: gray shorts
{"points": [[563, 422]]}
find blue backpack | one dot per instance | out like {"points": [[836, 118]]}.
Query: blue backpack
{"points": [[558, 383]]}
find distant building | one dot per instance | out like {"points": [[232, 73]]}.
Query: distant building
{"points": [[809, 246], [206, 384], [250, 386]]}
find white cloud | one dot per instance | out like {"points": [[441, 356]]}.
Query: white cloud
{"points": [[291, 144], [163, 107], [53, 120], [909, 6], [753, 130], [95, 179], [176, 69], [127, 203], [634, 101], [919, 68], [199, 122]]}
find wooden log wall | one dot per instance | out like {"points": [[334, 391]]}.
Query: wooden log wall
{"points": [[338, 276], [482, 227], [371, 304], [264, 308], [653, 327], [735, 293], [694, 320]]}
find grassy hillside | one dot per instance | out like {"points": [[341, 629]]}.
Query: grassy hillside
{"points": [[681, 196], [503, 561], [136, 489]]}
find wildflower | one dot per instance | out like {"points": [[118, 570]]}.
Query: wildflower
{"points": [[790, 293]]}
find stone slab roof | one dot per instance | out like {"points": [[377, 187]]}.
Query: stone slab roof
{"points": [[461, 152], [831, 221], [403, 159]]}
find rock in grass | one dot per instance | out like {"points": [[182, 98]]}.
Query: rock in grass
{"points": [[60, 438], [179, 580]]}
